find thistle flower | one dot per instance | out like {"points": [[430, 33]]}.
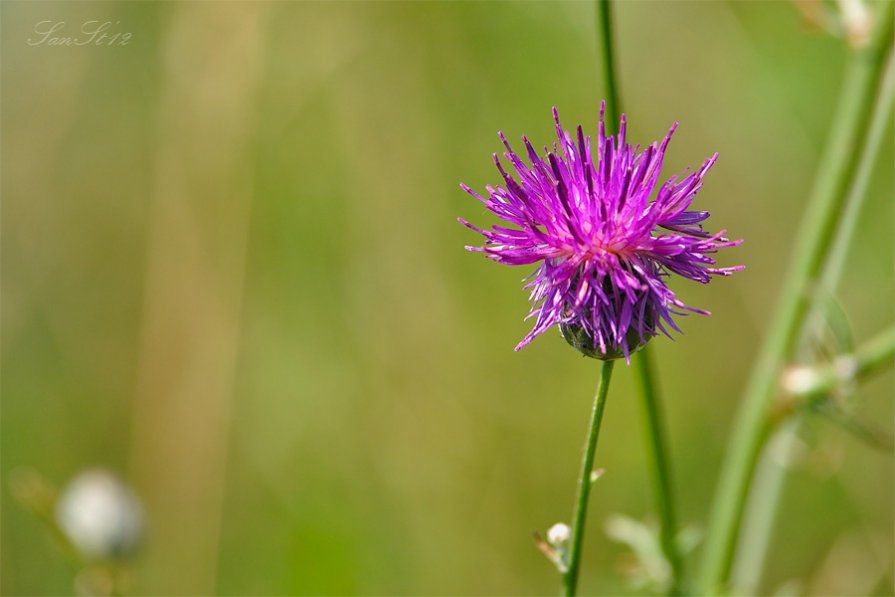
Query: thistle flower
{"points": [[603, 249]]}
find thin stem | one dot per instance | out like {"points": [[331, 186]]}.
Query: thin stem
{"points": [[836, 170], [767, 487], [768, 484], [660, 465], [658, 451], [584, 482], [604, 29], [806, 383], [834, 264]]}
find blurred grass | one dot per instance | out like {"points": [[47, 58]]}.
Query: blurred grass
{"points": [[383, 437]]}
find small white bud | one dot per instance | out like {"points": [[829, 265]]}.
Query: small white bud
{"points": [[846, 368], [800, 380], [559, 533], [100, 515], [857, 22]]}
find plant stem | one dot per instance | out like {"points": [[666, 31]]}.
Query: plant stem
{"points": [[584, 482], [659, 463], [752, 424], [834, 264], [768, 484], [767, 487], [806, 383], [661, 469], [604, 29]]}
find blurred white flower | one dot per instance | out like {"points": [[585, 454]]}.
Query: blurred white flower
{"points": [[559, 533], [100, 515], [857, 22], [800, 379]]}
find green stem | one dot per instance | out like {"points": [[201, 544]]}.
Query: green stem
{"points": [[661, 469], [834, 264], [752, 423], [767, 487], [584, 481], [806, 384], [817, 387], [660, 465], [605, 31], [768, 484]]}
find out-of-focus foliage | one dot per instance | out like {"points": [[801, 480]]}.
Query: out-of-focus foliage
{"points": [[231, 271]]}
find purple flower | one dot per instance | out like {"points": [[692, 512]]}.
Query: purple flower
{"points": [[603, 248]]}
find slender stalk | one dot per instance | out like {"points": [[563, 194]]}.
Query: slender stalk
{"points": [[657, 448], [753, 424], [768, 485], [605, 34], [806, 383], [857, 191], [659, 465], [584, 482]]}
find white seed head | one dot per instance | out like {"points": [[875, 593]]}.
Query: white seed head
{"points": [[846, 368], [800, 379], [857, 21], [100, 515], [559, 533]]}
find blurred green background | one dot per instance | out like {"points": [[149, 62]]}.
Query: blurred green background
{"points": [[232, 272]]}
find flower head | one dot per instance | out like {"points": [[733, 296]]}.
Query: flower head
{"points": [[603, 248], [100, 515]]}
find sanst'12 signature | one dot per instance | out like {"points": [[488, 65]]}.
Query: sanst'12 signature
{"points": [[91, 33]]}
